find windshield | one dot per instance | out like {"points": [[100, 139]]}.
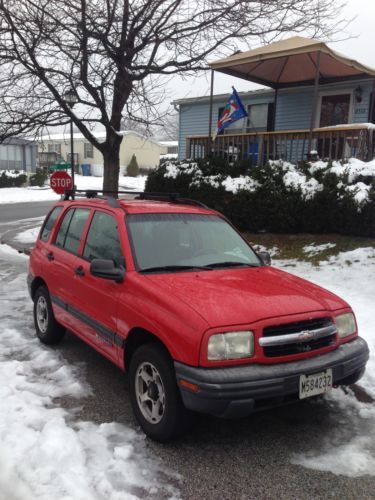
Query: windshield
{"points": [[173, 242]]}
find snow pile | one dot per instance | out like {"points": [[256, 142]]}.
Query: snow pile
{"points": [[314, 249], [361, 191], [28, 236], [274, 251], [13, 174], [174, 169], [210, 180], [298, 180], [27, 194], [353, 168], [351, 276], [136, 183], [234, 184], [353, 457], [44, 452]]}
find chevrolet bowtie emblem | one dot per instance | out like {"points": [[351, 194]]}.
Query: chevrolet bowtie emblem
{"points": [[305, 336]]}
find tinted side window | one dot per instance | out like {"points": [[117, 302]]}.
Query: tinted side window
{"points": [[63, 229], [102, 239], [71, 229], [49, 223]]}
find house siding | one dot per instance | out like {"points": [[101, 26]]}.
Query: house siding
{"points": [[18, 154], [146, 151], [293, 109]]}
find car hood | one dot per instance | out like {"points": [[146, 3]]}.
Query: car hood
{"points": [[241, 296]]}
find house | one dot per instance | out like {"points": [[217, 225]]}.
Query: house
{"points": [[18, 154], [55, 147], [316, 99], [170, 149]]}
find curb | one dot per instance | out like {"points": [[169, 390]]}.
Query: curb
{"points": [[15, 246]]}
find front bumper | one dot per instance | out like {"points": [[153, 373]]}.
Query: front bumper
{"points": [[240, 390]]}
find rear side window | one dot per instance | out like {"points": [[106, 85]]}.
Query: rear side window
{"points": [[71, 229], [49, 223], [102, 239]]}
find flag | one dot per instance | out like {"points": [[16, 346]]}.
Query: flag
{"points": [[233, 111]]}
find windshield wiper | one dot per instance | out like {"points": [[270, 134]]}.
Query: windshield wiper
{"points": [[230, 263], [174, 268]]}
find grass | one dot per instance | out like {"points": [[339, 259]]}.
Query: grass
{"points": [[290, 246]]}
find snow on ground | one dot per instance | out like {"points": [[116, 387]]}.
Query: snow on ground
{"points": [[28, 236], [45, 452], [354, 457], [26, 194], [29, 194], [314, 249], [274, 251], [351, 276]]}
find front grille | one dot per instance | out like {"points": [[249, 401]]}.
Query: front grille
{"points": [[298, 348]]}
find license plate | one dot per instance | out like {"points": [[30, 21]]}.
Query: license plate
{"points": [[312, 385]]}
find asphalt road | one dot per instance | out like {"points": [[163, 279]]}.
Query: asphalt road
{"points": [[249, 458], [17, 211]]}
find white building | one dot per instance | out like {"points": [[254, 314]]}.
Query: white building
{"points": [[146, 150]]}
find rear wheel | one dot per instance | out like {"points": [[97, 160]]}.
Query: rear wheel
{"points": [[154, 394], [48, 330]]}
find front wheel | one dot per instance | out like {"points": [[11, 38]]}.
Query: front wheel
{"points": [[154, 394], [48, 330]]}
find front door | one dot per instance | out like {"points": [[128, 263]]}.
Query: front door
{"points": [[335, 110]]}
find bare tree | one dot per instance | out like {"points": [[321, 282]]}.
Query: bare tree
{"points": [[115, 53], [168, 129]]}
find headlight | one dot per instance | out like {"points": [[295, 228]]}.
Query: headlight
{"points": [[346, 324], [231, 345]]}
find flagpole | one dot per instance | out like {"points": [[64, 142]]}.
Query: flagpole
{"points": [[210, 114]]}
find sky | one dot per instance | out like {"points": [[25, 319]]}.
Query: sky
{"points": [[361, 46]]}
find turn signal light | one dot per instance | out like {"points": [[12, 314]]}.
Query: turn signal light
{"points": [[189, 386]]}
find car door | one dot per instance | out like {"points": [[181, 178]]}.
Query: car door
{"points": [[97, 298], [64, 263]]}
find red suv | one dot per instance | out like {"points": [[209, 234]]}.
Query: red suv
{"points": [[169, 291]]}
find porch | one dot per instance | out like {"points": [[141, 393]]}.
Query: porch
{"points": [[331, 143]]}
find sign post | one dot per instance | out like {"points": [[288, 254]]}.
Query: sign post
{"points": [[60, 181]]}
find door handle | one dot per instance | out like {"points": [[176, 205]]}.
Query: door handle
{"points": [[79, 271], [50, 256]]}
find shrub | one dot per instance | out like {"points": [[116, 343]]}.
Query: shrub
{"points": [[133, 168], [278, 197], [39, 178], [12, 178]]}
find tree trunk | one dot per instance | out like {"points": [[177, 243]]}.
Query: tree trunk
{"points": [[111, 157]]}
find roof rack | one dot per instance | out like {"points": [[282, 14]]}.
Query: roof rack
{"points": [[140, 195]]}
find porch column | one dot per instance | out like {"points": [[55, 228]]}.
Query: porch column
{"points": [[315, 100], [370, 132], [274, 109], [209, 142]]}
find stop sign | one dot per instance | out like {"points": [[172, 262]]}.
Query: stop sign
{"points": [[61, 181]]}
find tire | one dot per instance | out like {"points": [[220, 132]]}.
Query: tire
{"points": [[162, 415], [48, 330]]}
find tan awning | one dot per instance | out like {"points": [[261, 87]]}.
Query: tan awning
{"points": [[291, 62]]}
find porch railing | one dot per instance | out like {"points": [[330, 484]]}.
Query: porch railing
{"points": [[334, 143]]}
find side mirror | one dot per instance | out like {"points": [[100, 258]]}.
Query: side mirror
{"points": [[106, 269], [265, 257]]}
